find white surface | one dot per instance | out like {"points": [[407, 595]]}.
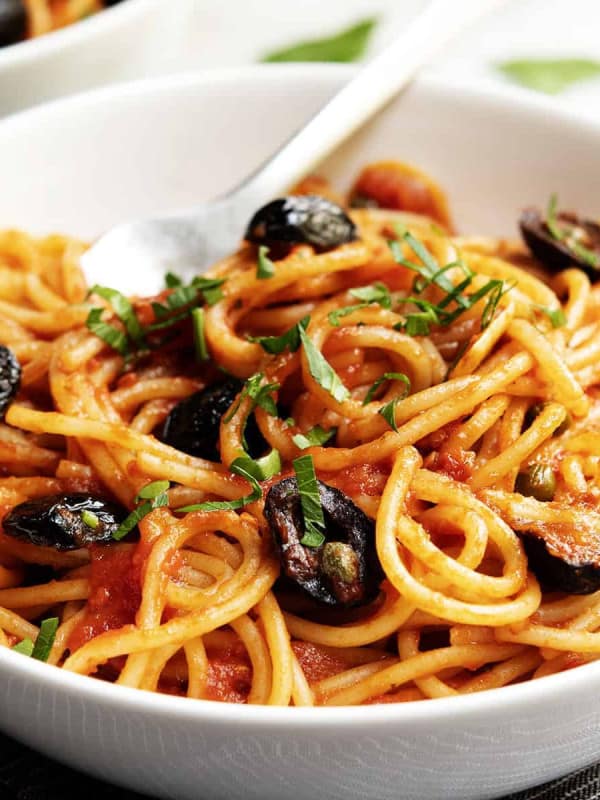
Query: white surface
{"points": [[146, 149], [152, 37]]}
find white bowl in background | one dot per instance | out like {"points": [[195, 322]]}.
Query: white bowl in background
{"points": [[119, 43], [83, 164]]}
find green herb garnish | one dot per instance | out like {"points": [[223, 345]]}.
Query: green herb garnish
{"points": [[277, 344], [25, 647], [259, 393], [45, 639], [348, 45], [240, 466], [124, 311], [376, 293], [555, 315], [112, 336], [387, 376], [322, 371], [265, 268], [567, 234], [154, 496], [388, 412], [310, 502], [315, 437], [550, 76], [198, 321]]}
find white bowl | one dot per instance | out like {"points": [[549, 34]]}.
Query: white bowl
{"points": [[85, 163], [116, 44]]}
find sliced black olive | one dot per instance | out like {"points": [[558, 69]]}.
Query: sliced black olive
{"points": [[298, 219], [342, 572], [64, 521], [580, 245], [534, 411], [10, 378], [13, 22], [537, 481], [563, 566], [193, 425]]}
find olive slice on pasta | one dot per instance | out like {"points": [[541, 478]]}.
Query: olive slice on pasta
{"points": [[563, 564]]}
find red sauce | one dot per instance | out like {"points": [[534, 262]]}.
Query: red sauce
{"points": [[457, 464], [229, 677], [115, 593], [317, 663], [369, 479]]}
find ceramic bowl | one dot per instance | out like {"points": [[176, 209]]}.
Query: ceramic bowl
{"points": [[117, 44], [83, 164]]}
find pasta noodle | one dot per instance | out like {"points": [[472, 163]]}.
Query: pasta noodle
{"points": [[456, 405], [33, 18]]}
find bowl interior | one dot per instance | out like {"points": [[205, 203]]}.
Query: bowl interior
{"points": [[92, 161]]}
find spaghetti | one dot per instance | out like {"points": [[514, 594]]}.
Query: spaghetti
{"points": [[441, 388], [27, 19]]}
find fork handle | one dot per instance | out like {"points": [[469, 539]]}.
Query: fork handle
{"points": [[374, 86]]}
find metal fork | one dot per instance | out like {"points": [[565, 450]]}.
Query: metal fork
{"points": [[134, 257]]}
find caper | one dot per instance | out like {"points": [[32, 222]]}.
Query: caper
{"points": [[339, 561], [537, 481]]}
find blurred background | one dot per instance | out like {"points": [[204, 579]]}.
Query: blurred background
{"points": [[526, 45]]}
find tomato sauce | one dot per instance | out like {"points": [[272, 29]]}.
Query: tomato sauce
{"points": [[316, 662]]}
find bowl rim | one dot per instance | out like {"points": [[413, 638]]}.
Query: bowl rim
{"points": [[80, 32], [498, 701]]}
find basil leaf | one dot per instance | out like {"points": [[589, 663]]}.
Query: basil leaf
{"points": [[155, 496], [25, 647], [310, 502], [123, 309], [259, 394], [172, 281], [265, 268], [152, 490], [45, 639], [198, 321], [550, 76], [277, 344], [108, 333], [322, 371], [348, 45], [555, 315], [388, 412], [376, 293], [315, 437], [239, 467], [261, 468], [387, 376]]}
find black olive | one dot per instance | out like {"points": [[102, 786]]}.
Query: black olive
{"points": [[569, 570], [193, 425], [534, 411], [10, 378], [344, 570], [13, 22], [579, 247], [64, 521], [298, 219]]}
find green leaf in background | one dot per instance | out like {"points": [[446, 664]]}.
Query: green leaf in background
{"points": [[551, 76], [348, 45]]}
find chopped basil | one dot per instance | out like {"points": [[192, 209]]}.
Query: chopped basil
{"points": [[322, 371], [239, 467], [550, 76], [25, 647], [388, 412], [315, 437], [112, 336], [45, 639], [261, 468], [376, 293], [387, 376], [155, 496], [90, 519], [172, 281], [347, 45], [277, 344], [259, 393], [555, 315], [265, 268], [123, 309], [43, 644], [198, 321], [310, 501]]}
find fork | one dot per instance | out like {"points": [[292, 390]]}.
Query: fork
{"points": [[134, 257]]}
